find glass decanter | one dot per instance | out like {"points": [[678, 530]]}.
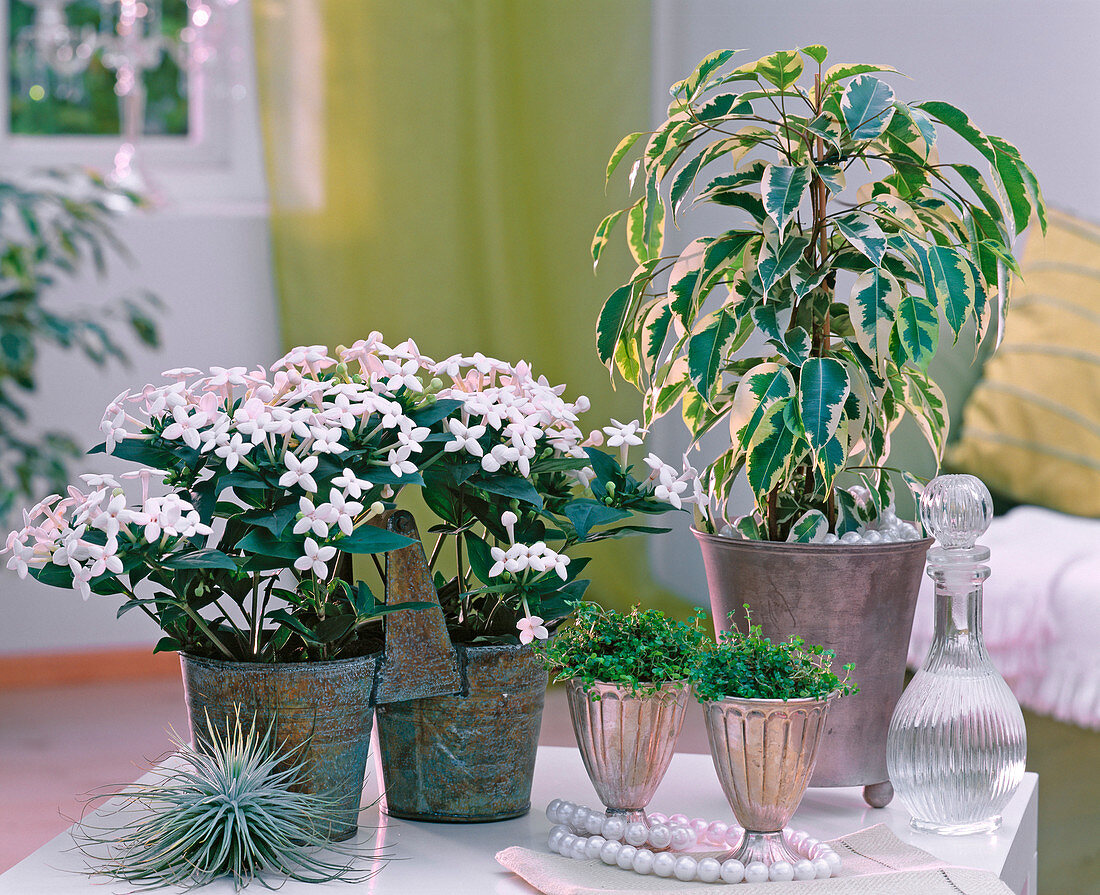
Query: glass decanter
{"points": [[957, 743]]}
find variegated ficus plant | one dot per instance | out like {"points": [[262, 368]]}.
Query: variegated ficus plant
{"points": [[807, 325]]}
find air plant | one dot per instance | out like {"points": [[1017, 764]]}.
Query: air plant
{"points": [[229, 810]]}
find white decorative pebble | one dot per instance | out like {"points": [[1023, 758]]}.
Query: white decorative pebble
{"points": [[683, 838], [578, 850], [594, 822], [872, 537], [850, 537], [733, 871], [552, 811], [756, 872], [609, 852], [709, 870], [728, 531], [657, 818], [781, 872], [625, 858], [664, 863], [614, 827], [592, 848], [636, 833], [685, 868], [890, 537], [660, 836], [804, 870], [822, 868], [832, 859], [643, 861], [716, 833], [829, 538]]}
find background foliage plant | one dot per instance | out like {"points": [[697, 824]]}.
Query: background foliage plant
{"points": [[808, 325], [51, 227], [230, 810], [748, 665], [640, 650]]}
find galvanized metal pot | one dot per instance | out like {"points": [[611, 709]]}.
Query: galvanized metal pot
{"points": [[470, 757], [626, 741], [325, 705], [764, 752], [856, 599]]}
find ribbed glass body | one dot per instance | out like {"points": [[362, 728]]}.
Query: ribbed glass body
{"points": [[957, 742]]}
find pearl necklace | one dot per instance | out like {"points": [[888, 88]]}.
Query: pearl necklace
{"points": [[582, 833]]}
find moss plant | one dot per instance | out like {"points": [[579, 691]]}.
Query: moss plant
{"points": [[229, 811], [750, 666], [640, 650]]}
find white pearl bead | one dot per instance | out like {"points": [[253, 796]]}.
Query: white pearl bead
{"points": [[822, 869], [565, 844], [810, 843], [664, 863], [636, 833], [781, 872], [592, 849], [660, 836], [613, 827], [832, 859], [579, 820], [609, 852], [554, 838], [804, 870], [709, 870], [733, 871], [683, 838], [643, 861], [685, 868], [657, 818], [594, 823], [716, 833], [698, 825], [680, 819], [817, 851], [733, 836], [552, 811], [625, 857], [756, 872], [578, 851]]}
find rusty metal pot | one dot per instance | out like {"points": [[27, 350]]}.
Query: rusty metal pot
{"points": [[856, 599], [325, 705], [764, 752], [469, 757], [626, 741]]}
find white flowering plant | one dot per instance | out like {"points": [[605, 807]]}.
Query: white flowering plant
{"points": [[271, 478], [517, 485]]}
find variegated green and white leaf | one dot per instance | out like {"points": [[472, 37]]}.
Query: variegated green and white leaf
{"points": [[782, 189], [696, 82], [873, 304], [917, 328], [613, 319], [922, 125], [781, 69], [843, 70], [666, 391], [655, 326], [766, 319], [774, 262], [832, 457], [810, 527], [723, 105], [795, 346], [816, 52], [864, 234], [652, 234], [867, 105], [828, 127], [758, 390], [627, 360], [805, 278], [706, 351], [822, 390], [770, 452], [684, 277], [926, 402], [620, 152], [603, 234], [833, 178]]}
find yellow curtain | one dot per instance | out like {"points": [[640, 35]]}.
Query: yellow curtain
{"points": [[436, 171]]}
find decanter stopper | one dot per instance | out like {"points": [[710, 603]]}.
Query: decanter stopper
{"points": [[956, 510]]}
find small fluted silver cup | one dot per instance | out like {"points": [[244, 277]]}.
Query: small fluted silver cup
{"points": [[764, 752], [627, 742]]}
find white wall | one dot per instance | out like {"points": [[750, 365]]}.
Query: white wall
{"points": [[207, 254], [1021, 69]]}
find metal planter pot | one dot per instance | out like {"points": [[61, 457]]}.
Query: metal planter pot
{"points": [[470, 757], [326, 705], [626, 741], [764, 752], [856, 599]]}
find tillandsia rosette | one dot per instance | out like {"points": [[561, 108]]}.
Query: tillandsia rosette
{"points": [[806, 325], [255, 485], [517, 485]]}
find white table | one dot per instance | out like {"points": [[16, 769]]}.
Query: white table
{"points": [[458, 859]]}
